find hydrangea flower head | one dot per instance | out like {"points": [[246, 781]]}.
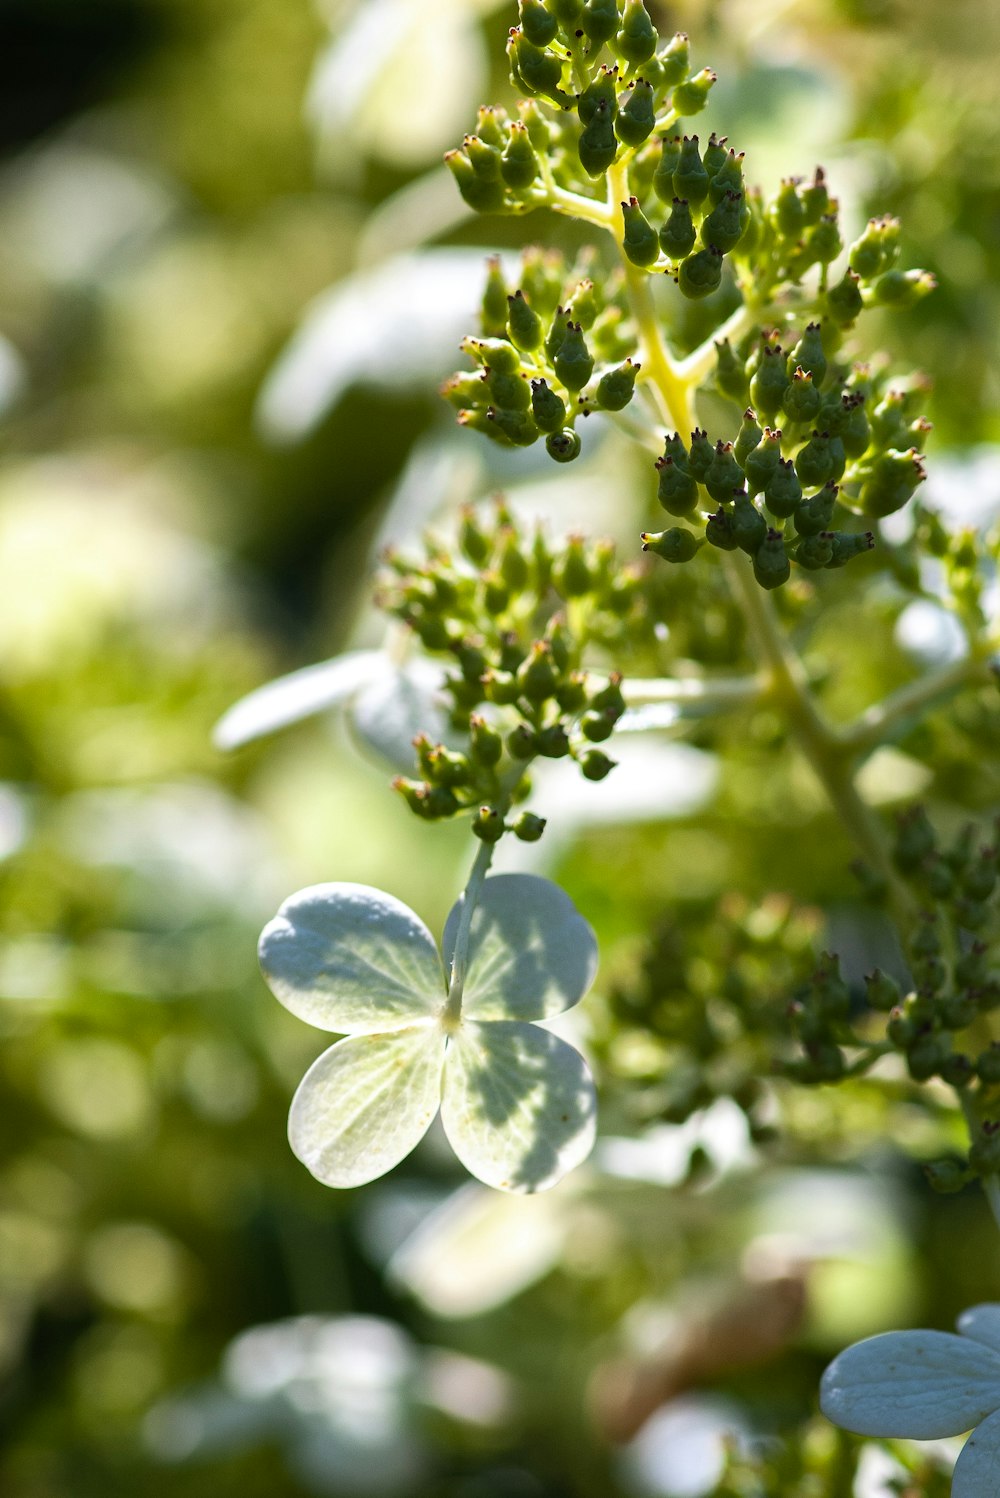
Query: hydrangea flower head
{"points": [[924, 1385], [517, 1103]]}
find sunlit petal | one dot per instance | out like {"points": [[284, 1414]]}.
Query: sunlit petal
{"points": [[982, 1323], [366, 1103], [977, 1471], [923, 1384], [352, 959], [531, 953], [518, 1105], [302, 694]]}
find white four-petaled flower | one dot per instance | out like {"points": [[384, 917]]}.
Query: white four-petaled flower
{"points": [[927, 1384], [517, 1103]]}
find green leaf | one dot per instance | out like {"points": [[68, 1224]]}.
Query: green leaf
{"points": [[518, 1105], [922, 1384], [531, 953], [977, 1472], [366, 1103], [352, 959]]}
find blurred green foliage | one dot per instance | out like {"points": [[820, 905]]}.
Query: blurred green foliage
{"points": [[169, 209]]}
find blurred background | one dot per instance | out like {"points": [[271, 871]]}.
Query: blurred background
{"points": [[232, 275]]}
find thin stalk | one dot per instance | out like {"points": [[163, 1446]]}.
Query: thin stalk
{"points": [[460, 960], [721, 691], [873, 726]]}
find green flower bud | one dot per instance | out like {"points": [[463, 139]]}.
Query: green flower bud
{"points": [[723, 227], [610, 698], [761, 464], [849, 544], [926, 1056], [636, 41], [691, 97], [893, 480], [972, 969], [727, 178], [675, 59], [789, 210], [522, 742], [897, 288], [769, 383], [678, 234], [537, 70], [548, 408], [600, 20], [699, 459], [714, 159], [482, 196], [637, 116], [988, 1065], [984, 1156], [495, 354], [731, 378], [663, 177], [639, 240], [573, 363], [571, 693], [537, 126], [855, 433], [553, 742], [824, 1062], [824, 243], [528, 827], [485, 742], [494, 304], [814, 514], [724, 475], [980, 876], [801, 399], [595, 764], [844, 301], [601, 92], [491, 125], [815, 198], [814, 461], [676, 491], [720, 531], [915, 839], [513, 565], [957, 1011], [537, 675], [690, 176], [748, 438], [484, 158], [487, 824], [567, 12], [518, 162], [563, 446], [598, 145], [500, 687], [947, 1176], [674, 545], [464, 390], [616, 387], [877, 248], [511, 392], [808, 354], [701, 274], [524, 324], [444, 767], [814, 552], [516, 427], [538, 23], [472, 539], [882, 991], [597, 726], [571, 574], [771, 566], [749, 528], [472, 660]]}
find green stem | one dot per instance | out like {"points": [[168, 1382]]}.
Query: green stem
{"points": [[696, 691], [460, 960], [872, 728]]}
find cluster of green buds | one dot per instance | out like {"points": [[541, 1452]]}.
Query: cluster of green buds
{"points": [[514, 617], [553, 352], [819, 440], [599, 82], [939, 1023], [697, 1018], [967, 565]]}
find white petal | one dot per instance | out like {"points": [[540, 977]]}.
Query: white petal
{"points": [[922, 1384], [366, 1103], [982, 1323], [300, 695], [518, 1105], [977, 1471], [531, 953], [352, 959]]}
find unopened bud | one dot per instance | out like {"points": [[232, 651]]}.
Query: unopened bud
{"points": [[771, 566], [701, 273], [674, 545]]}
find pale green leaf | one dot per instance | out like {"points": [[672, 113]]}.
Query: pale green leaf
{"points": [[352, 959], [922, 1384], [977, 1471], [983, 1324], [518, 1104], [531, 953], [302, 694], [366, 1103]]}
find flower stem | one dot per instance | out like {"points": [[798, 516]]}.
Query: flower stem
{"points": [[872, 728], [460, 959]]}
